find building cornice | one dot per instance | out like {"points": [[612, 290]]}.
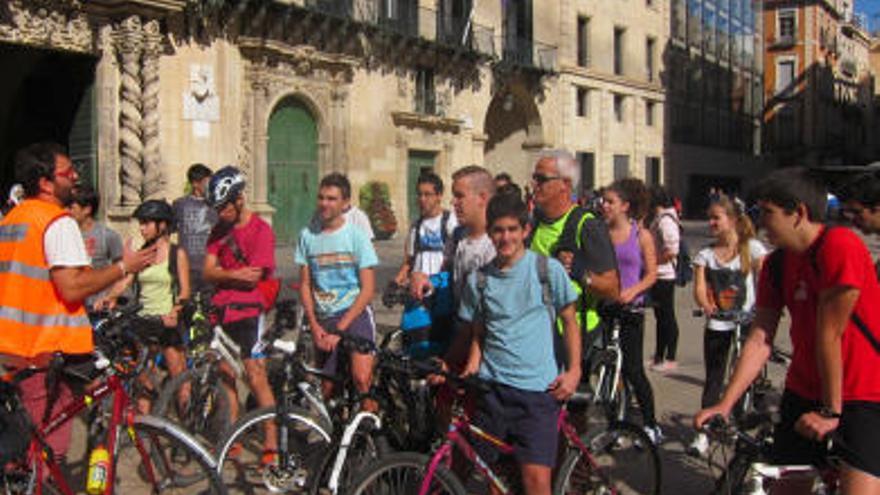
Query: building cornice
{"points": [[651, 87], [149, 8], [424, 121]]}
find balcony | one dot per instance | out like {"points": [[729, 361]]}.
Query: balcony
{"points": [[458, 32], [335, 8], [782, 42], [530, 54]]}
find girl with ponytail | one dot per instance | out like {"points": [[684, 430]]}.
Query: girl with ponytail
{"points": [[724, 280]]}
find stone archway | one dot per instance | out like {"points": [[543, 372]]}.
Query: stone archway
{"points": [[513, 128]]}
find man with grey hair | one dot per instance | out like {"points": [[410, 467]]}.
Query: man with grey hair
{"points": [[564, 230]]}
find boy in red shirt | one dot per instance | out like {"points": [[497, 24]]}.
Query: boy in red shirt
{"points": [[825, 278]]}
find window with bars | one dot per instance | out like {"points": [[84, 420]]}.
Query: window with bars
{"points": [[583, 41]]}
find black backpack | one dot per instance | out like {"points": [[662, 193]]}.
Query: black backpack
{"points": [[776, 266], [683, 264]]}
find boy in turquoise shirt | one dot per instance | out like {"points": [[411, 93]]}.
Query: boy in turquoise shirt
{"points": [[513, 344]]}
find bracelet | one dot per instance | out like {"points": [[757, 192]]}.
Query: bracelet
{"points": [[828, 413], [121, 265]]}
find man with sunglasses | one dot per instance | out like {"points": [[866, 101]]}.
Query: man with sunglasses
{"points": [[568, 232], [45, 276]]}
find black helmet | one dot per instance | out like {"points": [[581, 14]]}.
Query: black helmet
{"points": [[154, 209], [225, 186]]}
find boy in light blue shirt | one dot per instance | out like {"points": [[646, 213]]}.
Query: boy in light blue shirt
{"points": [[337, 282], [513, 343]]}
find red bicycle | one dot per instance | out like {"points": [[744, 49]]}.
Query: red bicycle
{"points": [[146, 453]]}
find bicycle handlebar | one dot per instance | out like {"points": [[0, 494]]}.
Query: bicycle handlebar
{"points": [[731, 315]]}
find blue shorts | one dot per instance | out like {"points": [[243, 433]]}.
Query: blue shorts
{"points": [[363, 326], [526, 420]]}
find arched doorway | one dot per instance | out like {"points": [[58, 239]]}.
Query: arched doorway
{"points": [[48, 97], [512, 125], [292, 167]]}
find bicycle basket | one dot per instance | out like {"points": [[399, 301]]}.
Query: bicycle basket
{"points": [[14, 424]]}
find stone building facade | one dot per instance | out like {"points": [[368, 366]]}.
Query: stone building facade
{"points": [[292, 89], [818, 84]]}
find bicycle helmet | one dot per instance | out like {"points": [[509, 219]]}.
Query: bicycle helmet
{"points": [[154, 209], [225, 186]]}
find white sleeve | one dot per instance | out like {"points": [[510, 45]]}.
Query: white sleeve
{"points": [[703, 256], [63, 243], [757, 249]]}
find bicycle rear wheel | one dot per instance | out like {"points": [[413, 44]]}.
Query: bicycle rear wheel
{"points": [[154, 456], [402, 474], [198, 403], [621, 460]]}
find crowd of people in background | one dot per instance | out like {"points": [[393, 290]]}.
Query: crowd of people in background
{"points": [[503, 263]]}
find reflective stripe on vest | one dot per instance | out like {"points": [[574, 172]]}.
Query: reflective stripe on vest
{"points": [[34, 319]]}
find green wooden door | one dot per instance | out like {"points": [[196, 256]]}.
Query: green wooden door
{"points": [[82, 139], [419, 161], [293, 168]]}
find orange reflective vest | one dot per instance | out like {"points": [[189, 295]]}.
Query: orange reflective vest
{"points": [[34, 319]]}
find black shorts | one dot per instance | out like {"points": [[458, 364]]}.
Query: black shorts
{"points": [[248, 335], [525, 419], [154, 331], [859, 435]]}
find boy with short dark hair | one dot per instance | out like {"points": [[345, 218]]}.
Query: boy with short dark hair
{"points": [[824, 277], [511, 305], [103, 244], [193, 221], [337, 281]]}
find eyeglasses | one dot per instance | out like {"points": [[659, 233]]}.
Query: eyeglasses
{"points": [[69, 174], [541, 179]]}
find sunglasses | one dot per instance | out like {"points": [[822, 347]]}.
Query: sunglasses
{"points": [[541, 179]]}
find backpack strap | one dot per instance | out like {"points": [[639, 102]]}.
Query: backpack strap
{"points": [[542, 264], [172, 270], [232, 244], [418, 247], [444, 224], [482, 283], [569, 239], [777, 274]]}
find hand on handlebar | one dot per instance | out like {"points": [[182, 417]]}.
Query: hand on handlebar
{"points": [[706, 415], [565, 385], [420, 286], [814, 426]]}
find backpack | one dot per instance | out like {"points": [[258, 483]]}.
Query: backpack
{"points": [[683, 264], [418, 247], [776, 266]]}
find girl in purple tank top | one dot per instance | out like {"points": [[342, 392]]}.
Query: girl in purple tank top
{"points": [[624, 206]]}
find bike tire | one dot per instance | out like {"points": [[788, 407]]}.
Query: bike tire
{"points": [[621, 459], [178, 462], [240, 452], [732, 480], [614, 410], [206, 417], [366, 448], [401, 474]]}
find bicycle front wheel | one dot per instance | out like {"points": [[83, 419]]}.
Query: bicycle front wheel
{"points": [[402, 474], [154, 456], [246, 466], [620, 459]]}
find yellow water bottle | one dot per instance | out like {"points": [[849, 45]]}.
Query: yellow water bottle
{"points": [[99, 465]]}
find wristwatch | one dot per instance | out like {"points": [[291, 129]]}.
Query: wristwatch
{"points": [[827, 412]]}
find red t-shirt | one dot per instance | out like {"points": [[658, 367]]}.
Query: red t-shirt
{"points": [[256, 241], [842, 260]]}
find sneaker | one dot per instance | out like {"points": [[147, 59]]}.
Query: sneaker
{"points": [[699, 445], [654, 434], [671, 365]]}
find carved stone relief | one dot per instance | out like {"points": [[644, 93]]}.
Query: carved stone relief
{"points": [[129, 38], [154, 182], [58, 24]]}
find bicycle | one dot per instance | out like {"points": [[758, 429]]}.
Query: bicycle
{"points": [[197, 398], [749, 471], [153, 453], [752, 400], [591, 464]]}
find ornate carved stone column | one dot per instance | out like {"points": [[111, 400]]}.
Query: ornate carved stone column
{"points": [[154, 183], [129, 40]]}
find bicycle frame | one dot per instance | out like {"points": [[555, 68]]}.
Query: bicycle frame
{"points": [[122, 414], [454, 438]]}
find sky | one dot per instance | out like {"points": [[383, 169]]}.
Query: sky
{"points": [[869, 8]]}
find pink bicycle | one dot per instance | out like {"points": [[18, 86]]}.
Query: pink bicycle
{"points": [[615, 459]]}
